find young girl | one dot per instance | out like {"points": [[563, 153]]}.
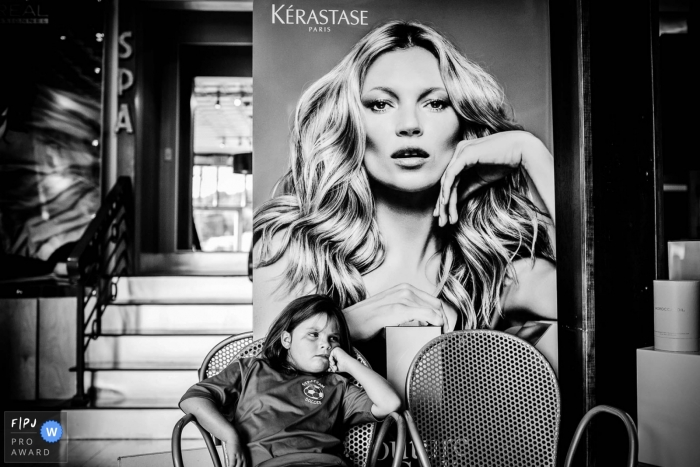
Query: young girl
{"points": [[290, 405]]}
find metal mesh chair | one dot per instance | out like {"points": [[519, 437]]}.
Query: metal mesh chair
{"points": [[222, 354], [360, 443], [485, 398]]}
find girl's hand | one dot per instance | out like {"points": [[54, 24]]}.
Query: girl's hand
{"points": [[401, 305], [234, 453], [479, 162], [211, 419], [338, 360]]}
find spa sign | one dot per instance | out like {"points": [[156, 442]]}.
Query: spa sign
{"points": [[124, 82]]}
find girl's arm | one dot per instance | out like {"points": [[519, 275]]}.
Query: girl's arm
{"points": [[213, 401], [210, 418], [384, 398]]}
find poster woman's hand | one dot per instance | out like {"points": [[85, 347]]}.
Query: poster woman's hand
{"points": [[401, 305], [482, 161]]}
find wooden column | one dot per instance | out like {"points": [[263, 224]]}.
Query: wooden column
{"points": [[608, 186], [627, 189]]}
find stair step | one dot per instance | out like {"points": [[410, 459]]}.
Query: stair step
{"points": [[185, 301], [153, 340], [157, 350], [164, 332], [194, 263], [127, 384], [138, 423], [189, 289], [159, 403], [139, 366], [198, 319], [197, 456]]}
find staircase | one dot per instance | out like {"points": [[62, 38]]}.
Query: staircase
{"points": [[153, 340]]}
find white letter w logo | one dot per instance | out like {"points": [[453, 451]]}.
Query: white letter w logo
{"points": [[52, 431]]}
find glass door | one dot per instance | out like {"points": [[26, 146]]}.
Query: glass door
{"points": [[222, 182]]}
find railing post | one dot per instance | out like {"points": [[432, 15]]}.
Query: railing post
{"points": [[92, 264], [80, 399]]}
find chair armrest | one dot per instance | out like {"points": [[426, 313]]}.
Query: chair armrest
{"points": [[622, 415], [390, 419], [177, 437], [417, 441]]}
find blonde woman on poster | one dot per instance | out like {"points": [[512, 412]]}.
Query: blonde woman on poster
{"points": [[412, 198]]}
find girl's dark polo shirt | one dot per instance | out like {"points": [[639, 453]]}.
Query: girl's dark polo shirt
{"points": [[286, 415]]}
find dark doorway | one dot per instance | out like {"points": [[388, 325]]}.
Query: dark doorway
{"points": [[186, 45], [200, 65]]}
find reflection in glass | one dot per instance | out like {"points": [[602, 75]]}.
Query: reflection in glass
{"points": [[50, 136]]}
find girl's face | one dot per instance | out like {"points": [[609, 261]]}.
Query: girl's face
{"points": [[412, 129], [309, 345]]}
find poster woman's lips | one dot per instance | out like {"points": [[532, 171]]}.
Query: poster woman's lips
{"points": [[410, 158], [407, 153]]}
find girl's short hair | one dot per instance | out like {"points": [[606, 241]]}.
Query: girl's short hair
{"points": [[298, 311]]}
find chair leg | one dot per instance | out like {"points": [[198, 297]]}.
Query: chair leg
{"points": [[417, 441], [400, 439]]}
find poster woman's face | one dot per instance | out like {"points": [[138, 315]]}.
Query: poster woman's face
{"points": [[411, 127]]}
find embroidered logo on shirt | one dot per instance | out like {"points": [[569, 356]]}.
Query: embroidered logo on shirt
{"points": [[313, 390]]}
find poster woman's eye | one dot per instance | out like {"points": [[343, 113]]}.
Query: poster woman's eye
{"points": [[378, 106], [437, 105]]}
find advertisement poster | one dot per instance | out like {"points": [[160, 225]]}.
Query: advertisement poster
{"points": [[368, 184]]}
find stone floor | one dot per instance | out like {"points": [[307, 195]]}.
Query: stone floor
{"points": [[106, 453]]}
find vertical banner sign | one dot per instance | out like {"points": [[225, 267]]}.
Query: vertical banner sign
{"points": [[125, 81], [127, 113]]}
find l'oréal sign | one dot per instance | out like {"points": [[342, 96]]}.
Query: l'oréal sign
{"points": [[23, 13]]}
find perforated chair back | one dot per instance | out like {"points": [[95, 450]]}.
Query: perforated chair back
{"points": [[484, 398], [222, 354], [358, 440]]}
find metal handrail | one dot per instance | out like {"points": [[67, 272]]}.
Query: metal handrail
{"points": [[102, 254]]}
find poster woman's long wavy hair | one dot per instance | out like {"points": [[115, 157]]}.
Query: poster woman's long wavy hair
{"points": [[324, 219]]}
